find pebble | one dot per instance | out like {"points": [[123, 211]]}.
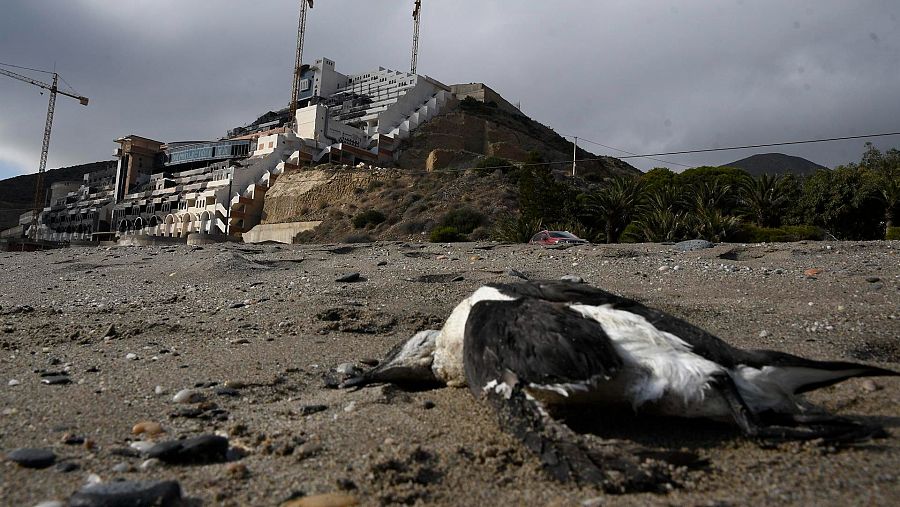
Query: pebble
{"points": [[142, 446], [32, 458], [196, 450], [873, 279], [159, 390], [381, 263], [235, 384], [131, 356], [869, 386], [572, 278], [348, 277], [326, 500], [149, 428], [149, 464], [66, 467], [139, 493], [811, 272], [122, 468], [56, 380], [312, 409], [763, 333], [188, 396], [347, 369], [13, 382], [350, 407], [226, 391]]}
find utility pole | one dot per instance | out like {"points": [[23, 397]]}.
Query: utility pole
{"points": [[417, 16], [298, 65], [574, 155]]}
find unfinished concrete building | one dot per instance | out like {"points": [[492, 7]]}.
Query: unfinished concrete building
{"points": [[217, 187]]}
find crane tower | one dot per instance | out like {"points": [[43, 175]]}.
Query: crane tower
{"points": [[417, 15], [298, 66], [45, 146]]}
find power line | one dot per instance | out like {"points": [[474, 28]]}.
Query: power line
{"points": [[24, 68], [630, 153], [767, 145]]}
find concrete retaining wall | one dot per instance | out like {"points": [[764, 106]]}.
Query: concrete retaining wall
{"points": [[280, 233]]}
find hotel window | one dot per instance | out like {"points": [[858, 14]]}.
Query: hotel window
{"points": [[271, 144]]}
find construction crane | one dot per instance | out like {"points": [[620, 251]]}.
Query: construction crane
{"points": [[417, 15], [45, 147], [298, 66]]}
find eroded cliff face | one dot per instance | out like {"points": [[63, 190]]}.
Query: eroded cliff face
{"points": [[299, 194], [460, 137]]}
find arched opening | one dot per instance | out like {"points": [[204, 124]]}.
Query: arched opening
{"points": [[186, 223], [205, 222], [124, 226], [170, 226], [138, 225]]}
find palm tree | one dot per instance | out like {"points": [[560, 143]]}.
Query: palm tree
{"points": [[764, 198], [616, 204], [661, 219], [708, 217]]}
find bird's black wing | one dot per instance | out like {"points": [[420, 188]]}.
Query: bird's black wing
{"points": [[534, 341], [702, 342], [539, 341]]}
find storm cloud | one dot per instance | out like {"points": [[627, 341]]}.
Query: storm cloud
{"points": [[650, 76]]}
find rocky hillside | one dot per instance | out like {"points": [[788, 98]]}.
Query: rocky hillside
{"points": [[17, 194], [389, 204], [474, 130], [776, 163]]}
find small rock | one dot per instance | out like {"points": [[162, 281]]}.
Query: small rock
{"points": [[159, 390], [347, 369], [240, 341], [56, 380], [763, 333], [196, 450], [869, 386], [812, 272], [873, 279], [346, 484], [368, 361], [188, 396], [307, 450], [13, 382], [142, 446], [32, 458], [235, 384], [326, 500], [110, 332], [226, 391], [350, 407], [122, 468], [71, 439], [131, 356], [66, 467], [663, 268], [148, 428], [428, 405], [348, 278], [150, 464], [572, 278], [312, 409], [135, 493], [381, 263], [692, 245]]}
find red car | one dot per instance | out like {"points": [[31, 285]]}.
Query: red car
{"points": [[550, 238]]}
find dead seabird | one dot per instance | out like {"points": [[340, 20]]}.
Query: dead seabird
{"points": [[529, 348]]}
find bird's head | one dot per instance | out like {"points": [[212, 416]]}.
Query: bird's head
{"points": [[409, 362]]}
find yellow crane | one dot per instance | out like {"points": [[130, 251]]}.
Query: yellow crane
{"points": [[45, 147], [298, 66], [417, 15]]}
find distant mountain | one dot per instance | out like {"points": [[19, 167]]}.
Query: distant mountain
{"points": [[776, 163], [17, 193]]}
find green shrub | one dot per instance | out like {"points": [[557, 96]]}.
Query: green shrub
{"points": [[892, 233], [464, 220], [515, 228], [446, 235], [370, 217]]}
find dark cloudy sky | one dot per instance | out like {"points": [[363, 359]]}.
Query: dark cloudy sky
{"points": [[643, 76]]}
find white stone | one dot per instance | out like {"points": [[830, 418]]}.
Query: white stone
{"points": [[159, 390], [131, 356], [142, 445], [13, 382], [188, 396]]}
